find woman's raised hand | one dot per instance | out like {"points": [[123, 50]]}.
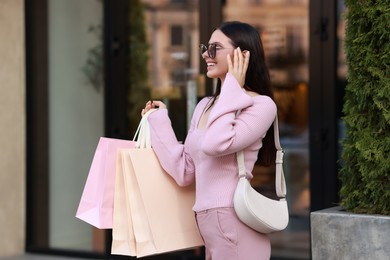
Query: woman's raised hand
{"points": [[239, 65], [151, 105]]}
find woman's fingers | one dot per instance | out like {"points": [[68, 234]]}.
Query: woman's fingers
{"points": [[229, 61], [151, 105], [148, 106], [236, 60], [240, 59], [239, 65], [158, 104]]}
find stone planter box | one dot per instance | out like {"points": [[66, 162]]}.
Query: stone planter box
{"points": [[337, 234]]}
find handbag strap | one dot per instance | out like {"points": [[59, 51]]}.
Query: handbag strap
{"points": [[280, 182]]}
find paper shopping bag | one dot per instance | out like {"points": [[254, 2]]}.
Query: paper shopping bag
{"points": [[131, 234], [159, 212], [96, 203], [156, 213], [123, 240], [168, 206]]}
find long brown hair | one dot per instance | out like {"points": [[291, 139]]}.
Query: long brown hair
{"points": [[257, 77]]}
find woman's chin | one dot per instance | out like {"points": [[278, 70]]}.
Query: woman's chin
{"points": [[212, 74]]}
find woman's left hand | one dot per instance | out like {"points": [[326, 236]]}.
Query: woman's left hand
{"points": [[239, 65]]}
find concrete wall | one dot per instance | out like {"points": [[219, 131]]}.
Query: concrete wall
{"points": [[337, 234], [12, 127]]}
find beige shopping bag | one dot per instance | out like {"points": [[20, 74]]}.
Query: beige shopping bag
{"points": [[158, 214], [123, 240], [168, 206], [152, 214]]}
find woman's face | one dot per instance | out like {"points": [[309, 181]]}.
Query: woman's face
{"points": [[217, 67]]}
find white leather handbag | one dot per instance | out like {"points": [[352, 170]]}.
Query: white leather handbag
{"points": [[259, 212]]}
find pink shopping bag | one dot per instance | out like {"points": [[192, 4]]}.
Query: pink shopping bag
{"points": [[97, 200]]}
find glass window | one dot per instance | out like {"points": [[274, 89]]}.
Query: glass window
{"points": [[285, 36], [76, 116], [173, 37], [176, 35]]}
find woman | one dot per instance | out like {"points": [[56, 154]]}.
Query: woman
{"points": [[235, 56]]}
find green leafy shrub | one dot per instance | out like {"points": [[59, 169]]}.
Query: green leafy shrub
{"points": [[365, 169]]}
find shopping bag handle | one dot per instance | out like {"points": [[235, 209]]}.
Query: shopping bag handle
{"points": [[142, 134]]}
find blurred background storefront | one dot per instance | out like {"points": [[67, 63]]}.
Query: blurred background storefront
{"points": [[91, 65]]}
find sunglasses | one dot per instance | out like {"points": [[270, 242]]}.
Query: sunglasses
{"points": [[211, 49]]}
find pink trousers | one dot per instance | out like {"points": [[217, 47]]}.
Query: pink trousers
{"points": [[227, 238]]}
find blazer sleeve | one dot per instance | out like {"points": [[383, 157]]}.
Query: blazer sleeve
{"points": [[227, 132]]}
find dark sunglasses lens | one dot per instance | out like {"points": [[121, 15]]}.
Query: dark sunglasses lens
{"points": [[212, 49], [202, 49]]}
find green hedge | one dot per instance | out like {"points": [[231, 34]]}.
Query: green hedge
{"points": [[365, 166]]}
